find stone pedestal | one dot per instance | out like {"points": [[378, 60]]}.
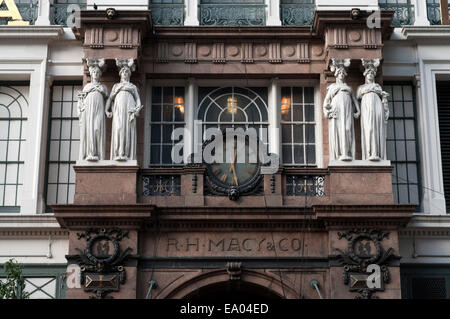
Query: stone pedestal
{"points": [[106, 184]]}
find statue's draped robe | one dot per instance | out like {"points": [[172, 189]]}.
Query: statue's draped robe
{"points": [[123, 136], [373, 125], [92, 122], [341, 128]]}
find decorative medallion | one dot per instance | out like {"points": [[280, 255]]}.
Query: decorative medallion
{"points": [[101, 263], [261, 50], [204, 51], [355, 36], [177, 50], [233, 50], [364, 249], [112, 36], [289, 51], [317, 50]]}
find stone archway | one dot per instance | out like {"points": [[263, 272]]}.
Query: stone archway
{"points": [[217, 284]]}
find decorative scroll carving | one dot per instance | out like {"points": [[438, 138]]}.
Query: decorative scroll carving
{"points": [[97, 41], [303, 52], [234, 269], [161, 185], [247, 53], [190, 52], [101, 263], [219, 53], [364, 249], [275, 53]]}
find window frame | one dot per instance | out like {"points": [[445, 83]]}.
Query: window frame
{"points": [[17, 208], [49, 140], [417, 138]]}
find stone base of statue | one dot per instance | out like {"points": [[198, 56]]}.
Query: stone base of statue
{"points": [[359, 163], [107, 163], [106, 182]]}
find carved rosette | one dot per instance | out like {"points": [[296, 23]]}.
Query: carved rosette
{"points": [[101, 263], [364, 249]]}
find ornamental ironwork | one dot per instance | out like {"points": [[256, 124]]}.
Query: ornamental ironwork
{"points": [[101, 263], [305, 185], [434, 12], [229, 13], [162, 185], [299, 13], [403, 11], [364, 249], [167, 13], [64, 13], [28, 9]]}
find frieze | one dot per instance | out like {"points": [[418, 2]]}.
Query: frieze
{"points": [[221, 53]]}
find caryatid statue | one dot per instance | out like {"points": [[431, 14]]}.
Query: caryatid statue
{"points": [[91, 112], [374, 114], [123, 106], [341, 107]]}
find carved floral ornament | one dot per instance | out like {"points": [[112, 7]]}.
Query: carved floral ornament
{"points": [[364, 249], [101, 263]]}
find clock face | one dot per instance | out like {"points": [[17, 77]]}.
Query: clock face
{"points": [[229, 173]]}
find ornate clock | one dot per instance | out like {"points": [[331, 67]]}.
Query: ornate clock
{"points": [[231, 177]]}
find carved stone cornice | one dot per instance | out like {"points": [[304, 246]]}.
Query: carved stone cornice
{"points": [[382, 216], [80, 217], [120, 36]]}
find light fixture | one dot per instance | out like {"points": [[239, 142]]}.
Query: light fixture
{"points": [[179, 103], [285, 105], [232, 105]]}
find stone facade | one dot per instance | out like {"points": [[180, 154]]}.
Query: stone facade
{"points": [[193, 242]]}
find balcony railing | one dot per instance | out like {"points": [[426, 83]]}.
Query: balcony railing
{"points": [[62, 12], [161, 185], [403, 11], [28, 10], [230, 13], [297, 12], [164, 13], [305, 185], [434, 12]]}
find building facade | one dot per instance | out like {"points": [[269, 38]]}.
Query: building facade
{"points": [[156, 228]]}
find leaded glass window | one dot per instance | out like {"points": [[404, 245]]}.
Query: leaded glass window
{"points": [[234, 107], [402, 143], [61, 10], [167, 114], [28, 9], [232, 12], [64, 143], [298, 126], [297, 12], [13, 109], [403, 11]]}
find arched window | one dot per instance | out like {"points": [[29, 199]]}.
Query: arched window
{"points": [[13, 103], [234, 107]]}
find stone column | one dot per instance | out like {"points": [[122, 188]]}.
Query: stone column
{"points": [[191, 13], [273, 12], [43, 13], [420, 13]]}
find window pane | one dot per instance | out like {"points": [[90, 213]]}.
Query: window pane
{"points": [[298, 133], [287, 154], [287, 133]]}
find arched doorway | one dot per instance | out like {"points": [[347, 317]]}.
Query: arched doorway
{"points": [[232, 290]]}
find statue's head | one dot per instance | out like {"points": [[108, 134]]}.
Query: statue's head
{"points": [[339, 67], [126, 66], [370, 69], [96, 67]]}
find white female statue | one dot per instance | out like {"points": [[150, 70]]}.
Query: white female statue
{"points": [[374, 114], [339, 106], [91, 112], [123, 106]]}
